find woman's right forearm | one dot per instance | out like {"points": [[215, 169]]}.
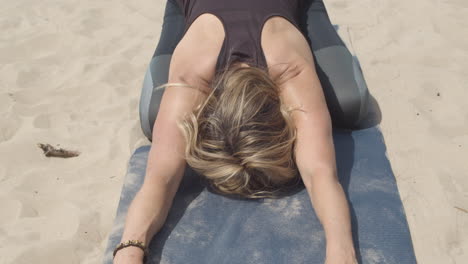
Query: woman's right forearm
{"points": [[145, 217], [164, 171], [147, 213], [149, 208]]}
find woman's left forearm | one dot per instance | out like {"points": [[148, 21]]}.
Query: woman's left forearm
{"points": [[331, 206]]}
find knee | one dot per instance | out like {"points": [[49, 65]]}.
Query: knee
{"points": [[352, 110]]}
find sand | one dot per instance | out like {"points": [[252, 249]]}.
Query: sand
{"points": [[71, 74]]}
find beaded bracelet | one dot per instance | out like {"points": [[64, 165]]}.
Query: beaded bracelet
{"points": [[136, 243]]}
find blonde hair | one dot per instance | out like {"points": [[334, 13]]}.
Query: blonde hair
{"points": [[241, 139]]}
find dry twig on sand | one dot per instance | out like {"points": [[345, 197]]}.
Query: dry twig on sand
{"points": [[51, 151], [461, 209]]}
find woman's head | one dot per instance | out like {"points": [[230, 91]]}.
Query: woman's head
{"points": [[241, 139]]}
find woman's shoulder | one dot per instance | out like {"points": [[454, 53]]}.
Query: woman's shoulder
{"points": [[285, 48], [196, 54]]}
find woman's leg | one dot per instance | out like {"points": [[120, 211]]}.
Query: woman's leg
{"points": [[158, 70], [339, 72]]}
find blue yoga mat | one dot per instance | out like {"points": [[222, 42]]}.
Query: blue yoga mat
{"points": [[206, 228]]}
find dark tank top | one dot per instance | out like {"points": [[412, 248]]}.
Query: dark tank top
{"points": [[243, 21]]}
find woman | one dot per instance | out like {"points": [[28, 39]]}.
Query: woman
{"points": [[244, 107]]}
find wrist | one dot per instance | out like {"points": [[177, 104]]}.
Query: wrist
{"points": [[130, 253], [131, 250], [347, 246]]}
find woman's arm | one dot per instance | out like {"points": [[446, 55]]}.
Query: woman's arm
{"points": [[315, 158], [192, 65], [165, 169], [315, 155]]}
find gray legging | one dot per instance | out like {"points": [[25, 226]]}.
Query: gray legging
{"points": [[339, 72]]}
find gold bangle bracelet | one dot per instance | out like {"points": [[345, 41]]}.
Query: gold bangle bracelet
{"points": [[135, 243]]}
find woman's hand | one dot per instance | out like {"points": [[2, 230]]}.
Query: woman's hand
{"points": [[129, 255]]}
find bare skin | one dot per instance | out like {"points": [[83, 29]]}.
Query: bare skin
{"points": [[288, 55]]}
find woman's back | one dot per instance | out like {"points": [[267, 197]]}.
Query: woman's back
{"points": [[242, 23], [218, 33]]}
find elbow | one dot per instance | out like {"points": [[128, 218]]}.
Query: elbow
{"points": [[318, 175]]}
